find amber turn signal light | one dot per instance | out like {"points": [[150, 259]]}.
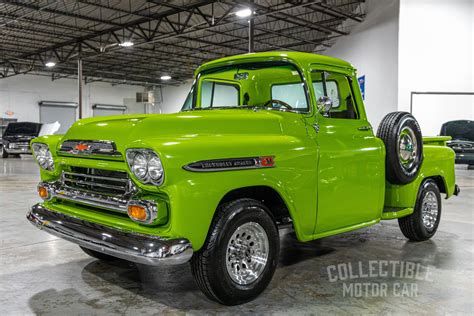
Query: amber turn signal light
{"points": [[43, 193], [137, 212], [142, 211]]}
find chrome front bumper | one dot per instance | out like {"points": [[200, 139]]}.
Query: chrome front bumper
{"points": [[139, 248]]}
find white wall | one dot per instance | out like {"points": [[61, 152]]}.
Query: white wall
{"points": [[372, 47], [436, 54], [21, 94], [174, 97]]}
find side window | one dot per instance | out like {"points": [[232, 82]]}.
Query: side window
{"points": [[332, 90], [217, 94], [338, 88], [291, 93]]}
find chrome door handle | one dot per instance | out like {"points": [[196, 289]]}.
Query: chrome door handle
{"points": [[364, 128]]}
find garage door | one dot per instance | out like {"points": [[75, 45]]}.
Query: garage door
{"points": [[107, 109], [63, 112]]}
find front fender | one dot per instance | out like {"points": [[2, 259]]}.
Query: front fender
{"points": [[52, 141], [195, 196]]}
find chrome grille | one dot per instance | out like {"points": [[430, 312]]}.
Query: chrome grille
{"points": [[24, 145], [100, 181], [89, 147]]}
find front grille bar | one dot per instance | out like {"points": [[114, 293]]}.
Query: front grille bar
{"points": [[113, 203], [86, 188], [95, 184], [94, 177]]}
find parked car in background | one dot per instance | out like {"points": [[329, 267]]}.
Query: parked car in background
{"points": [[462, 142], [16, 138]]}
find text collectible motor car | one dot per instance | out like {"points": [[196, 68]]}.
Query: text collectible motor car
{"points": [[262, 140]]}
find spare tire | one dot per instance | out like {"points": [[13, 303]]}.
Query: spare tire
{"points": [[404, 147]]}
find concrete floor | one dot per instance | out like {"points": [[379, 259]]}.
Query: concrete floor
{"points": [[40, 274]]}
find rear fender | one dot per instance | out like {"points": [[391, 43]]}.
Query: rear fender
{"points": [[438, 164]]}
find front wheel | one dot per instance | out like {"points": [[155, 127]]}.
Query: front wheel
{"points": [[423, 222], [240, 254]]}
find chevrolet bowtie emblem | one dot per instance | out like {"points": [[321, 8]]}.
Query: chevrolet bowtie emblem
{"points": [[81, 147]]}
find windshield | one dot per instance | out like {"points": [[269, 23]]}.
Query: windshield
{"points": [[459, 130], [277, 85], [25, 129]]}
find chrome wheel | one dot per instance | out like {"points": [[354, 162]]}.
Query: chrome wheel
{"points": [[429, 210], [407, 148], [247, 253]]}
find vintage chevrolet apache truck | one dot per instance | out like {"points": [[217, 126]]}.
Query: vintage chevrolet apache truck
{"points": [[263, 140]]}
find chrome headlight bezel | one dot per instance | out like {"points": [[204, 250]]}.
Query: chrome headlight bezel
{"points": [[43, 156], [135, 157]]}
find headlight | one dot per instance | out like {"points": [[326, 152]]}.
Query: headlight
{"points": [[43, 156], [145, 165]]}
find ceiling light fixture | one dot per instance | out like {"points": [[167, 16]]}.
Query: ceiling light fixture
{"points": [[244, 13], [165, 77], [126, 44], [50, 64]]}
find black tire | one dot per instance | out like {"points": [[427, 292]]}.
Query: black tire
{"points": [[397, 130], [412, 226], [3, 152], [98, 255], [209, 265]]}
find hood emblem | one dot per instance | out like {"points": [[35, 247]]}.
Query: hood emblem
{"points": [[82, 147], [89, 147]]}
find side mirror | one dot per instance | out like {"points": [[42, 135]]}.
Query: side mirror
{"points": [[324, 105]]}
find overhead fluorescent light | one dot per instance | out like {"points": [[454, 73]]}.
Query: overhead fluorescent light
{"points": [[165, 77], [244, 13], [126, 44], [50, 64]]}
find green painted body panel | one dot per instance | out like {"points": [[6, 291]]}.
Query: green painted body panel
{"points": [[438, 162], [331, 181]]}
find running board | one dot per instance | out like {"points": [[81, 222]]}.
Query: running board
{"points": [[396, 212]]}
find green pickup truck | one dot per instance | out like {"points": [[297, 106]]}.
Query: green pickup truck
{"points": [[263, 140]]}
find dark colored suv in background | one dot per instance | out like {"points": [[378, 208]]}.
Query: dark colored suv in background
{"points": [[16, 138], [462, 133]]}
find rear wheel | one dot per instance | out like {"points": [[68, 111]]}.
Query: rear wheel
{"points": [[3, 152], [240, 254], [98, 255], [423, 222], [404, 147]]}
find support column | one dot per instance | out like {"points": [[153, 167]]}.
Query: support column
{"points": [[251, 28], [79, 81]]}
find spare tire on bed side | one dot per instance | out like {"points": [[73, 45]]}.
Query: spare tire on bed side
{"points": [[404, 147]]}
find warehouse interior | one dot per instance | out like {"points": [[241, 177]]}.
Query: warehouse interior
{"points": [[65, 60]]}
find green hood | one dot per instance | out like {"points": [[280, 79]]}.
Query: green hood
{"points": [[125, 130]]}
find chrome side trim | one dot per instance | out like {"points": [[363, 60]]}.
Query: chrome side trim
{"points": [[229, 164], [110, 202], [139, 248]]}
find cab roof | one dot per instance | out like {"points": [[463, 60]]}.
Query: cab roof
{"points": [[302, 59]]}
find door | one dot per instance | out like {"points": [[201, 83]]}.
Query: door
{"points": [[62, 112], [351, 163]]}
